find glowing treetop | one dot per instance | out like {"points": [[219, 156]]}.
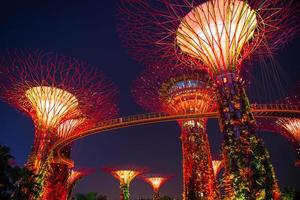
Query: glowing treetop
{"points": [[77, 174], [180, 90], [218, 34], [216, 31], [125, 176], [156, 181], [217, 165]]}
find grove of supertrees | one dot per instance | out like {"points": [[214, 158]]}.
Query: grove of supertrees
{"points": [[184, 90], [156, 181], [217, 36], [125, 175], [63, 96]]}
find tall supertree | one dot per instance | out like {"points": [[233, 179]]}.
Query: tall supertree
{"points": [[125, 175], [60, 94], [156, 181], [184, 90], [217, 35]]}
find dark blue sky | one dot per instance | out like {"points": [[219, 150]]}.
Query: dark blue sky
{"points": [[86, 29]]}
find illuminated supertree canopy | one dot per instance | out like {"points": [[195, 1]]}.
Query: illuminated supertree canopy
{"points": [[217, 165], [292, 127], [75, 175], [125, 175], [62, 95], [217, 35], [183, 90], [156, 181]]}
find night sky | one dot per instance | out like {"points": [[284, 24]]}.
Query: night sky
{"points": [[86, 29]]}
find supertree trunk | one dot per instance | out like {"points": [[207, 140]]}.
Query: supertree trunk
{"points": [[248, 171], [156, 195], [297, 162], [39, 159], [124, 192], [199, 182], [56, 181]]}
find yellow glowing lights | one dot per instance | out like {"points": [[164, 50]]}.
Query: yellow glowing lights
{"points": [[51, 104], [125, 176], [290, 125], [66, 128], [217, 164], [216, 31], [156, 182]]}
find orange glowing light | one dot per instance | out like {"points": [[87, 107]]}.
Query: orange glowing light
{"points": [[51, 104], [217, 165], [75, 176], [125, 176], [156, 182], [66, 128], [290, 125], [216, 31]]}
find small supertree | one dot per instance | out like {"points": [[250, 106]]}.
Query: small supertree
{"points": [[184, 90], [156, 181], [74, 176], [286, 127], [125, 175], [292, 127], [217, 35], [52, 90], [217, 165]]}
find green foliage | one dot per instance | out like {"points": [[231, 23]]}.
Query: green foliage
{"points": [[15, 183], [289, 193]]}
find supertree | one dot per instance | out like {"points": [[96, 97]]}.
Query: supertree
{"points": [[184, 90], [60, 94], [156, 181], [287, 127], [74, 176], [217, 166], [217, 35], [125, 175]]}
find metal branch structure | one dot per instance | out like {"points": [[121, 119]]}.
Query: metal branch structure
{"points": [[156, 181], [217, 35], [63, 96], [184, 91], [125, 175]]}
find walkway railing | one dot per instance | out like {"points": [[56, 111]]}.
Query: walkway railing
{"points": [[258, 110]]}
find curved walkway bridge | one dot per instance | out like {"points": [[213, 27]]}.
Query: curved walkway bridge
{"points": [[258, 110]]}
